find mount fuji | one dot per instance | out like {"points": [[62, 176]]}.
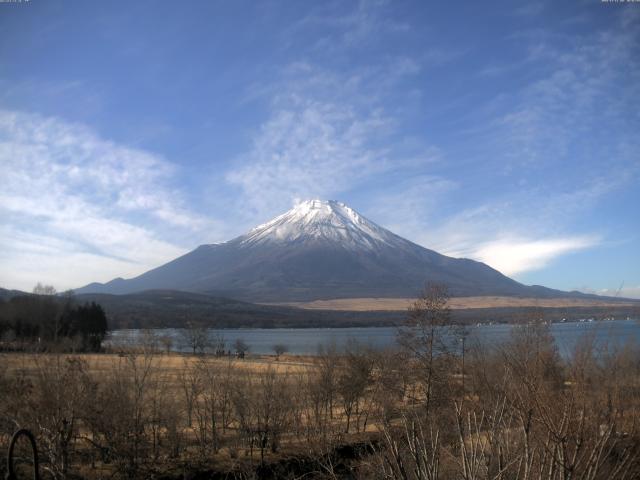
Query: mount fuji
{"points": [[320, 250]]}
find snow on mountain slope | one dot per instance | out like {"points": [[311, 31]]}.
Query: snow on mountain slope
{"points": [[317, 220]]}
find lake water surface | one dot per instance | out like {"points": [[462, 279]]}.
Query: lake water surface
{"points": [[306, 341]]}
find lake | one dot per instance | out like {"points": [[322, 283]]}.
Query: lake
{"points": [[305, 341]]}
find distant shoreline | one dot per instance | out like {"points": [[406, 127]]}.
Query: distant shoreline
{"points": [[455, 303]]}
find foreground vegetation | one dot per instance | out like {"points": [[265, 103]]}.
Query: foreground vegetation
{"points": [[421, 412]]}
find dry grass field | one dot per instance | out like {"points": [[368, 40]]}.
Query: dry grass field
{"points": [[503, 412], [456, 303], [171, 365]]}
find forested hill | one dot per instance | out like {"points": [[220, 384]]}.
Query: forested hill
{"points": [[170, 308]]}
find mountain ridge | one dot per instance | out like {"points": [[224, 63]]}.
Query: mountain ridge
{"points": [[320, 250]]}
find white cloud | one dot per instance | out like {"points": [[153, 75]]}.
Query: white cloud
{"points": [[624, 292], [62, 265], [310, 149], [77, 207], [489, 233], [52, 156], [495, 233], [517, 255]]}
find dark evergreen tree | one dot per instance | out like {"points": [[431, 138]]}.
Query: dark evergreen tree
{"points": [[47, 319]]}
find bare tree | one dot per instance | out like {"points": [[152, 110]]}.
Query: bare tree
{"points": [[263, 408], [423, 337], [280, 349], [212, 402], [41, 289], [149, 341], [410, 452], [119, 418], [54, 408], [167, 342], [354, 379], [190, 384], [241, 347], [328, 364], [196, 338], [51, 311], [219, 344]]}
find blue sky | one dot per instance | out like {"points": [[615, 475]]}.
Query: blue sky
{"points": [[131, 132]]}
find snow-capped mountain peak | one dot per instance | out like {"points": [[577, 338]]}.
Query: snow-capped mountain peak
{"points": [[317, 250], [321, 220]]}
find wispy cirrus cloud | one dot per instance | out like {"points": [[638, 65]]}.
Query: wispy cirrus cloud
{"points": [[49, 256], [326, 134], [577, 105], [47, 156], [80, 208], [353, 27], [333, 127], [309, 149], [531, 9], [410, 202]]}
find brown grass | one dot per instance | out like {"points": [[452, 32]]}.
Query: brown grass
{"points": [[457, 303], [170, 364]]}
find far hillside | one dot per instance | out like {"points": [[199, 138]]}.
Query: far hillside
{"points": [[177, 309], [169, 308]]}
